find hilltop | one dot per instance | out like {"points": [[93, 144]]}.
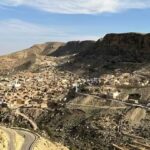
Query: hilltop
{"points": [[24, 59]]}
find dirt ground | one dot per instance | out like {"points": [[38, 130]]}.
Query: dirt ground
{"points": [[43, 144], [135, 115], [3, 140]]}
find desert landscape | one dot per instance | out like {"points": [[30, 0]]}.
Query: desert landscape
{"points": [[78, 95], [74, 75]]}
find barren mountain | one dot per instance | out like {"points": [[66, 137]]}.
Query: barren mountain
{"points": [[26, 58]]}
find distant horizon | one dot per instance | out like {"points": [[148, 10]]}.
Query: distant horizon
{"points": [[14, 51], [25, 23]]}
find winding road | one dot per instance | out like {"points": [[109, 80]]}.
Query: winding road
{"points": [[118, 101], [34, 125], [29, 138]]}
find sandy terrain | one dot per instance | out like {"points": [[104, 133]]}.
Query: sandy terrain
{"points": [[19, 141], [135, 115], [11, 139], [47, 145], [3, 140]]}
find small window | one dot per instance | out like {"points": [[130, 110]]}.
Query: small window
{"points": [[135, 96]]}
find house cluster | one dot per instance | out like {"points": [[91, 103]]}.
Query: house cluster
{"points": [[124, 79], [36, 89], [132, 88]]}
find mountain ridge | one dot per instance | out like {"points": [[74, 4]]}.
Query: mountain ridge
{"points": [[113, 47]]}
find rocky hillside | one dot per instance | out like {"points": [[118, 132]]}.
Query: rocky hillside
{"points": [[130, 46], [73, 47], [26, 58], [114, 51]]}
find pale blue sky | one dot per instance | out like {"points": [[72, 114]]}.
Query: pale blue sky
{"points": [[27, 22]]}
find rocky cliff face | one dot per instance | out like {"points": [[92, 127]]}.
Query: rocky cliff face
{"points": [[114, 51], [133, 45]]}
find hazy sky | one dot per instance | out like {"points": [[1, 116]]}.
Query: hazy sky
{"points": [[26, 22]]}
